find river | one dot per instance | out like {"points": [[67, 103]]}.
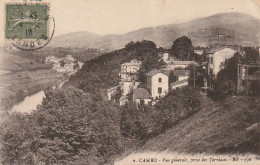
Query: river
{"points": [[29, 103]]}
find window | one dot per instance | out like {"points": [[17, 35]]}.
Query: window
{"points": [[159, 90], [160, 80]]}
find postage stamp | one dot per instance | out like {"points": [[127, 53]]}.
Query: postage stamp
{"points": [[27, 25], [26, 21]]}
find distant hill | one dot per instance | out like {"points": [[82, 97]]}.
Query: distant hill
{"points": [[234, 28]]}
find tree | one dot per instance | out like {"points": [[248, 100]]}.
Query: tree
{"points": [[141, 75], [193, 74], [135, 123], [18, 136], [226, 81], [178, 104], [251, 53], [172, 77], [227, 77], [182, 48]]}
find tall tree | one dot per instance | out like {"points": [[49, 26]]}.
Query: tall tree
{"points": [[227, 77], [252, 53], [172, 77], [182, 48]]}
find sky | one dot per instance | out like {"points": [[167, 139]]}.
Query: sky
{"points": [[122, 16]]}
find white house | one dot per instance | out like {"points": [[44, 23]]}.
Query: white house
{"points": [[158, 83], [70, 58], [179, 84], [127, 85], [130, 69], [141, 96], [68, 67], [217, 57], [52, 59], [165, 57], [169, 66]]}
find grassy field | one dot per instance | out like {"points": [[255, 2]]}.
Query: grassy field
{"points": [[10, 62]]}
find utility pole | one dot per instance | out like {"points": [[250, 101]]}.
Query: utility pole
{"points": [[218, 37], [194, 76]]}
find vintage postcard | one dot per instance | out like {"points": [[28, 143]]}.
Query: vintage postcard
{"points": [[130, 82]]}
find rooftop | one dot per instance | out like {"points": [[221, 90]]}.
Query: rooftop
{"points": [[183, 62], [199, 52], [156, 71], [141, 93], [218, 49], [181, 72], [113, 88], [178, 82]]}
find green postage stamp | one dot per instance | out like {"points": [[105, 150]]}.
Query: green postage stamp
{"points": [[26, 21]]}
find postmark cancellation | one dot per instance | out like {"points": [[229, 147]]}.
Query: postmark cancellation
{"points": [[28, 25]]}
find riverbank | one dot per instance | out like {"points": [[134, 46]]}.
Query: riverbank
{"points": [[29, 88], [29, 103], [17, 86]]}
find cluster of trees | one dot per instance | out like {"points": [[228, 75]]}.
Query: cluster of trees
{"points": [[148, 121], [67, 127], [182, 49], [74, 127], [252, 54], [102, 73], [226, 80]]}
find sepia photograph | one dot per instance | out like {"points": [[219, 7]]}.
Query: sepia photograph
{"points": [[129, 82]]}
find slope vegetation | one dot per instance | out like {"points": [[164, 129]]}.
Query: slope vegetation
{"points": [[216, 128]]}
